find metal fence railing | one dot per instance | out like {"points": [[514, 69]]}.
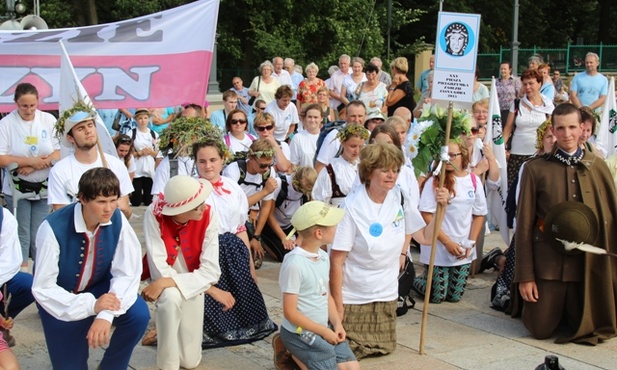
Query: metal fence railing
{"points": [[568, 60]]}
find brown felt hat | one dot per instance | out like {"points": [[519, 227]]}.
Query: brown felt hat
{"points": [[571, 221]]}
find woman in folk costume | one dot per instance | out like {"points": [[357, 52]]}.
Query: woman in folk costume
{"points": [[181, 233], [370, 248], [248, 320], [461, 226]]}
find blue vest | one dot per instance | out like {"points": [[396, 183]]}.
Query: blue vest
{"points": [[74, 248]]}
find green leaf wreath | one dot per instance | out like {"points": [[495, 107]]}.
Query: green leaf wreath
{"points": [[178, 138], [428, 136], [79, 106]]}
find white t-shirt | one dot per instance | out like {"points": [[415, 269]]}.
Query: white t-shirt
{"points": [[345, 174], [283, 118], [236, 145], [64, 177], [458, 217], [28, 139], [290, 205], [352, 85], [329, 147], [252, 182], [373, 235], [303, 147], [306, 275], [144, 165], [161, 175], [232, 208]]}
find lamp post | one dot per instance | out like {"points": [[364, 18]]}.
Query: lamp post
{"points": [[515, 43]]}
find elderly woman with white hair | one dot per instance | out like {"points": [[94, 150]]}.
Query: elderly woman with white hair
{"points": [[307, 90], [265, 85]]}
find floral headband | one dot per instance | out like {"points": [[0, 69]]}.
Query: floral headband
{"points": [[351, 130]]}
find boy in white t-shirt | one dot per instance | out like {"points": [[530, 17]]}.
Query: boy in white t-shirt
{"points": [[312, 330]]}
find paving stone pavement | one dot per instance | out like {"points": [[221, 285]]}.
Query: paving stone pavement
{"points": [[464, 335]]}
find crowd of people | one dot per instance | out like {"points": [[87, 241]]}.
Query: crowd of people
{"points": [[314, 174]]}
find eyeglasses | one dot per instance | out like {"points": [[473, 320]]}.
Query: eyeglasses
{"points": [[238, 121], [454, 155], [480, 112], [263, 166], [264, 128]]}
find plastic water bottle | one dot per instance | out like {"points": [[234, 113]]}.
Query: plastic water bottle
{"points": [[306, 336]]}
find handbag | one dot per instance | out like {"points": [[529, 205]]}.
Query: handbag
{"points": [[253, 98], [405, 281]]}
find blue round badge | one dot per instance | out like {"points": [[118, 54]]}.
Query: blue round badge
{"points": [[375, 229]]}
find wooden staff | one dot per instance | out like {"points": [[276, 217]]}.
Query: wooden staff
{"points": [[439, 214]]}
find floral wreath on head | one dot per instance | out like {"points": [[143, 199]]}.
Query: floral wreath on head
{"points": [[428, 136], [352, 130], [541, 132], [178, 138], [79, 106]]}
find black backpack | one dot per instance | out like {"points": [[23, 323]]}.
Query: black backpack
{"points": [[325, 130], [282, 196], [242, 179], [152, 133]]}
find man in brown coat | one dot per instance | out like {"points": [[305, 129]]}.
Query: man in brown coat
{"points": [[579, 289]]}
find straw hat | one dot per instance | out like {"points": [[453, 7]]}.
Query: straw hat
{"points": [[184, 193]]}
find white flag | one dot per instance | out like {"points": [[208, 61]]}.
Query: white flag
{"points": [[606, 140], [494, 135], [71, 91]]}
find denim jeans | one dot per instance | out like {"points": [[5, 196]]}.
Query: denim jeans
{"points": [[30, 215]]}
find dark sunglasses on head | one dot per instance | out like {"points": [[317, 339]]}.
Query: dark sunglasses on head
{"points": [[264, 128], [236, 121]]}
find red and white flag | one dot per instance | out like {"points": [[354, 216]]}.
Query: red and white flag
{"points": [[157, 60]]}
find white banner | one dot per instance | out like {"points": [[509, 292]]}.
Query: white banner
{"points": [[158, 60], [494, 136], [456, 50], [606, 139]]}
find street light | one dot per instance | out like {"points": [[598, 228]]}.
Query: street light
{"points": [[20, 8]]}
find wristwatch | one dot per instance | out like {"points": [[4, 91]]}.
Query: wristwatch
{"points": [[257, 237]]}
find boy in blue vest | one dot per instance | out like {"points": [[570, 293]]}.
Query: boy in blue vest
{"points": [[87, 278], [312, 330]]}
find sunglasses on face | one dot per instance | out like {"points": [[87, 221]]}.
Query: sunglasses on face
{"points": [[238, 121], [260, 108], [263, 166], [264, 128]]}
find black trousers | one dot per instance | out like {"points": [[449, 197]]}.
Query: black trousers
{"points": [[141, 194]]}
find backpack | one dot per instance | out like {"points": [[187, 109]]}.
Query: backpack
{"points": [[242, 179], [405, 280], [325, 130], [282, 196]]}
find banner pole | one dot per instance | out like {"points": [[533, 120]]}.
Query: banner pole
{"points": [[439, 214]]}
